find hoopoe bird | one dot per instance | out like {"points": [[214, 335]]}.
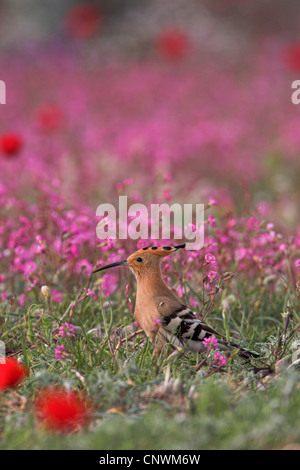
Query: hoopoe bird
{"points": [[160, 313]]}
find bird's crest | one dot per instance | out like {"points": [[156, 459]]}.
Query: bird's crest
{"points": [[156, 250]]}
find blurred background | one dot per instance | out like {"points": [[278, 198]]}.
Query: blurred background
{"points": [[160, 99], [130, 25]]}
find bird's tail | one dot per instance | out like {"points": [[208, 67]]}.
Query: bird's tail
{"points": [[242, 352]]}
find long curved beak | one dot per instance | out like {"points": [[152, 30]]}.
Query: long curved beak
{"points": [[112, 265], [177, 247]]}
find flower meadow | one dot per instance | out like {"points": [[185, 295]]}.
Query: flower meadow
{"points": [[177, 125]]}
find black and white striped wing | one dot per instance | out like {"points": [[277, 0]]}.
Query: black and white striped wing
{"points": [[182, 327]]}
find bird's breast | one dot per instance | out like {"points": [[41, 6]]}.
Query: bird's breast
{"points": [[145, 314]]}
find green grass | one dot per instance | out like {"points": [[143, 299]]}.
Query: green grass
{"points": [[143, 403]]}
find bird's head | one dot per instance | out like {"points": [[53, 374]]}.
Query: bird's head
{"points": [[145, 260]]}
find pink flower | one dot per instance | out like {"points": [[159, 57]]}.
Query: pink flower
{"points": [[231, 223], [211, 220], [89, 292], [297, 263], [57, 296], [221, 361], [142, 243], [180, 291], [211, 342], [124, 183], [73, 251], [58, 351], [212, 201], [213, 276], [40, 245], [22, 299], [83, 266], [66, 330], [253, 223], [193, 302], [157, 321], [20, 250], [108, 244], [109, 283], [41, 314], [30, 267], [167, 177], [241, 253], [210, 258], [167, 194]]}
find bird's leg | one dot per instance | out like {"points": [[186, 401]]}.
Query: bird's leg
{"points": [[174, 353], [201, 363], [157, 352], [132, 335]]}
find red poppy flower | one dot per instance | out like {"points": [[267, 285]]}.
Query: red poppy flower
{"points": [[292, 57], [11, 144], [83, 21], [173, 43], [49, 117], [11, 373], [62, 410]]}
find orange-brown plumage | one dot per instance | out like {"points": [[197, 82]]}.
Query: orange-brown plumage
{"points": [[159, 312], [145, 265]]}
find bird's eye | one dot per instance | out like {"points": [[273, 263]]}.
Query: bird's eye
{"points": [[139, 260]]}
